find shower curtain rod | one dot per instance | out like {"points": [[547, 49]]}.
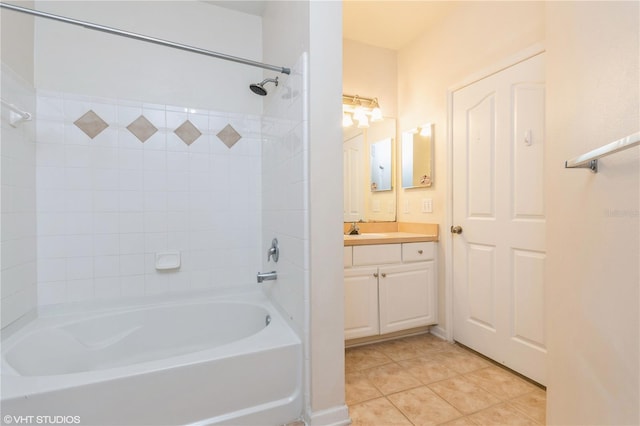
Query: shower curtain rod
{"points": [[141, 37]]}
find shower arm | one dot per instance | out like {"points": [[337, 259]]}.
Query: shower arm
{"points": [[141, 37]]}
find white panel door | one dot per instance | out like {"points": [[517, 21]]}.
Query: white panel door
{"points": [[353, 172], [499, 256]]}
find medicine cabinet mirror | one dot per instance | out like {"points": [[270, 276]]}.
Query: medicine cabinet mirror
{"points": [[369, 156], [417, 157]]}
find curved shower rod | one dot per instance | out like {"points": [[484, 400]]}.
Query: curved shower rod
{"points": [[141, 37]]}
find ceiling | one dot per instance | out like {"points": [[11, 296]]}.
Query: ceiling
{"points": [[390, 24], [246, 6]]}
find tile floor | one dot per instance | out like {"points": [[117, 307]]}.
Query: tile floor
{"points": [[424, 380]]}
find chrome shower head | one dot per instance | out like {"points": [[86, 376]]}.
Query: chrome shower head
{"points": [[258, 88]]}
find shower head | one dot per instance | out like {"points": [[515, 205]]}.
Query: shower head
{"points": [[258, 88]]}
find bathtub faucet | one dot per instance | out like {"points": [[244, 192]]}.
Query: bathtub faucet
{"points": [[267, 276]]}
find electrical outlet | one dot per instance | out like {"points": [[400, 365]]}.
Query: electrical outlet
{"points": [[427, 205], [405, 207]]}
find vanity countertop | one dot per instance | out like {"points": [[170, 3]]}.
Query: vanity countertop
{"points": [[369, 238]]}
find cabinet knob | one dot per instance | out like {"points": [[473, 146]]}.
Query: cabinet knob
{"points": [[375, 274], [384, 275], [419, 251]]}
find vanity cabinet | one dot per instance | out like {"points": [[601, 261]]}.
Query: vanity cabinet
{"points": [[389, 288]]}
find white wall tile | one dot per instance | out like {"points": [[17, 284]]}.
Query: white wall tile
{"points": [[78, 223], [79, 267], [77, 245], [131, 264], [106, 222], [132, 243], [107, 205], [54, 269], [131, 222], [50, 293], [131, 201], [106, 244], [106, 266], [79, 290]]}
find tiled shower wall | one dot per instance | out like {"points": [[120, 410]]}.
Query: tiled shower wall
{"points": [[119, 181], [285, 192], [18, 201]]}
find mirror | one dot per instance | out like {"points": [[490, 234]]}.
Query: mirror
{"points": [[369, 190], [380, 165], [417, 157]]}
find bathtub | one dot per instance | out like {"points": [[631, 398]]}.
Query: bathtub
{"points": [[228, 359]]}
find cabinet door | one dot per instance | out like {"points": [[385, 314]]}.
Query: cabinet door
{"points": [[407, 296], [360, 302]]}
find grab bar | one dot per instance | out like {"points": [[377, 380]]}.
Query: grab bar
{"points": [[590, 159], [16, 115]]}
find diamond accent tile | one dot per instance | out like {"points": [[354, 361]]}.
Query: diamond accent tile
{"points": [[188, 132], [142, 128], [91, 124], [229, 136]]}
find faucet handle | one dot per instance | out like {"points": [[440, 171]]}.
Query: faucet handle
{"points": [[274, 251]]}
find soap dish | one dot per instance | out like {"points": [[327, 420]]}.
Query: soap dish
{"points": [[168, 260]]}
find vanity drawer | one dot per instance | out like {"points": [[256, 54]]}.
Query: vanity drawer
{"points": [[416, 252], [377, 254], [347, 257]]}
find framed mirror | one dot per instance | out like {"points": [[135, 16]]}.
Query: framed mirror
{"points": [[417, 157], [369, 191]]}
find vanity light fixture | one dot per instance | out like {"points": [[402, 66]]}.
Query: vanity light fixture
{"points": [[361, 110]]}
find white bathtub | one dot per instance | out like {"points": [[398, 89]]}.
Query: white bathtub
{"points": [[211, 360]]}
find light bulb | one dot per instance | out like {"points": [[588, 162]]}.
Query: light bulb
{"points": [[346, 120], [376, 114], [363, 122], [358, 114]]}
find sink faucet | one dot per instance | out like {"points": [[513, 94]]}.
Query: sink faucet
{"points": [[267, 276], [354, 230]]}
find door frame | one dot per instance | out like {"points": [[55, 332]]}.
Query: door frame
{"points": [[509, 61]]}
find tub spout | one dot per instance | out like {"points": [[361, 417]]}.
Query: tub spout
{"points": [[267, 276]]}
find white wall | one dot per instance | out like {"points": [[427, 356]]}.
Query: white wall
{"points": [[371, 72], [476, 35], [73, 59], [313, 201], [325, 202], [17, 40], [17, 151], [593, 227]]}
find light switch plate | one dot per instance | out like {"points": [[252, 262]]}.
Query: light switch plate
{"points": [[427, 205]]}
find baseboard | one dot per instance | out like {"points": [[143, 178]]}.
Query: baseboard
{"points": [[439, 332], [336, 416]]}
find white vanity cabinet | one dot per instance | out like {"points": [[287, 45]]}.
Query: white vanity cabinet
{"points": [[389, 288]]}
